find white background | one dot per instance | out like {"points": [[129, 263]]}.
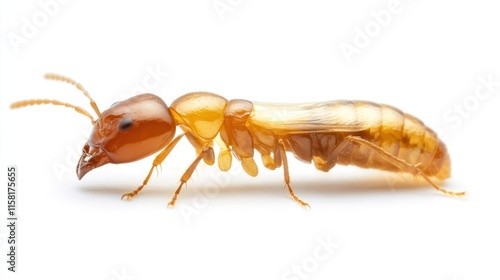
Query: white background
{"points": [[427, 59]]}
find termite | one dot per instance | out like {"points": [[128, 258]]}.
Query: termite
{"points": [[360, 133]]}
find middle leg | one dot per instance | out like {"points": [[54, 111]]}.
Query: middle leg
{"points": [[282, 155]]}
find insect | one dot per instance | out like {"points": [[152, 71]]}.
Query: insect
{"points": [[359, 133]]}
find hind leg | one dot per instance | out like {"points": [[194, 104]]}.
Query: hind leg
{"points": [[397, 162]]}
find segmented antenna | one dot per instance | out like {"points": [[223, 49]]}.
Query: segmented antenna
{"points": [[78, 86], [31, 102]]}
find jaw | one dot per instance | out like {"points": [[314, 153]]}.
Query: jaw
{"points": [[91, 158]]}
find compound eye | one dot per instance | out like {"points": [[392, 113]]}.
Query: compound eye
{"points": [[125, 124]]}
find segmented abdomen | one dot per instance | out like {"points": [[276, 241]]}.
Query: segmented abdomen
{"points": [[401, 135], [397, 133]]}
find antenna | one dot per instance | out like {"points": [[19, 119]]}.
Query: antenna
{"points": [[31, 102], [78, 86]]}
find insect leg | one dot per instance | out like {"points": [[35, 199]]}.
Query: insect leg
{"points": [[400, 163], [187, 174], [282, 155], [157, 161], [225, 158]]}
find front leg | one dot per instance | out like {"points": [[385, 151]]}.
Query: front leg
{"points": [[187, 174], [157, 161]]}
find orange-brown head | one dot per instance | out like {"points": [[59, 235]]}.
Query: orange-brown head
{"points": [[128, 131]]}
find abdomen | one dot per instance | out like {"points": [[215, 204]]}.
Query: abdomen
{"points": [[397, 133], [401, 135]]}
